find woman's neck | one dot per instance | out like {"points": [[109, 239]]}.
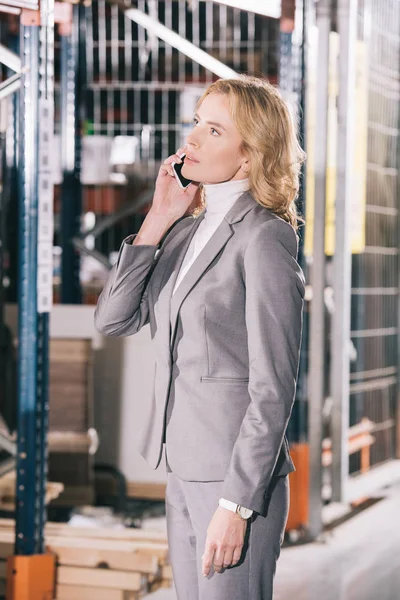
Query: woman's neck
{"points": [[219, 197]]}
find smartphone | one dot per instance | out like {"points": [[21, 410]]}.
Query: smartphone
{"points": [[177, 167]]}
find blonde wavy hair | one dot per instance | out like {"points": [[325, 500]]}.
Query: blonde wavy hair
{"points": [[269, 137]]}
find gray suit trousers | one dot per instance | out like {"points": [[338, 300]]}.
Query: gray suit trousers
{"points": [[190, 506]]}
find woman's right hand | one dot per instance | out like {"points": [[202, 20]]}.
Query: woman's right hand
{"points": [[169, 199]]}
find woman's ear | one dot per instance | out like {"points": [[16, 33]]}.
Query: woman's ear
{"points": [[246, 167], [246, 161]]}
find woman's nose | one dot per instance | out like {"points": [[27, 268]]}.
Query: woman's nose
{"points": [[190, 144], [191, 147], [191, 140]]}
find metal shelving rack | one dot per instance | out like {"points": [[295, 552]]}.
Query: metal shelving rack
{"points": [[34, 68], [35, 273]]}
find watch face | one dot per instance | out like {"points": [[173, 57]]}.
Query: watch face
{"points": [[245, 512]]}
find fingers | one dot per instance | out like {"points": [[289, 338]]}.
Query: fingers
{"points": [[167, 169], [174, 157], [226, 559], [236, 555], [220, 558], [166, 166], [207, 560]]}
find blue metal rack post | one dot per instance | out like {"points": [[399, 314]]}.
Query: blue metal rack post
{"points": [[34, 277], [28, 536]]}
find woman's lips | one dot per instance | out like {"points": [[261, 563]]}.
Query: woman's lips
{"points": [[193, 162]]}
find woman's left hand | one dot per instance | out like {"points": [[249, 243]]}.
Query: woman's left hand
{"points": [[225, 539]]}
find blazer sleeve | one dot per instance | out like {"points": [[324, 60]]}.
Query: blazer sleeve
{"points": [[122, 307], [275, 288]]}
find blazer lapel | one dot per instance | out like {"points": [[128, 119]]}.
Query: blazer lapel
{"points": [[216, 242], [177, 253], [208, 253]]}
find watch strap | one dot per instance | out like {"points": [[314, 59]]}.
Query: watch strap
{"points": [[228, 504]]}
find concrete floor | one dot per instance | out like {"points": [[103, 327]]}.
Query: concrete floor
{"points": [[358, 560]]}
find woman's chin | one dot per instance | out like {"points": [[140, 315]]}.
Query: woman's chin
{"points": [[190, 173], [190, 168]]}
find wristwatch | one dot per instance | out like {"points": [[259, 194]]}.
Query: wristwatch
{"points": [[243, 512]]}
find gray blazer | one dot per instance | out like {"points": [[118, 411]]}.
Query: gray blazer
{"points": [[227, 346]]}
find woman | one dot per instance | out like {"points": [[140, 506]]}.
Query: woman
{"points": [[223, 293]]}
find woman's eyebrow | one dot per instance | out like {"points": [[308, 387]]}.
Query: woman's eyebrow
{"points": [[211, 122]]}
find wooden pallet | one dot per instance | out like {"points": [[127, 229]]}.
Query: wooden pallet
{"points": [[7, 491], [70, 417], [99, 563]]}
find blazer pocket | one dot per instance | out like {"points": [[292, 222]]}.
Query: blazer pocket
{"points": [[224, 379], [213, 365]]}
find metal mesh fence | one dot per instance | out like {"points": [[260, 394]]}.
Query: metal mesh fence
{"points": [[374, 379]]}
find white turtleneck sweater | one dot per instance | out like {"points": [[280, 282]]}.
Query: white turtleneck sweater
{"points": [[220, 197]]}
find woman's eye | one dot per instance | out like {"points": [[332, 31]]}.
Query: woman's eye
{"points": [[195, 121]]}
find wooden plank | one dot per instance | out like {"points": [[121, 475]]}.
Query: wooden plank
{"points": [[160, 551], [7, 489], [66, 530], [6, 549], [75, 495], [144, 489], [73, 592], [111, 559], [72, 372], [137, 489], [68, 441], [68, 406], [106, 545], [120, 580], [144, 552], [7, 523], [70, 350]]}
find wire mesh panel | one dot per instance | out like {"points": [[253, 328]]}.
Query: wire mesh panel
{"points": [[374, 375], [139, 99]]}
